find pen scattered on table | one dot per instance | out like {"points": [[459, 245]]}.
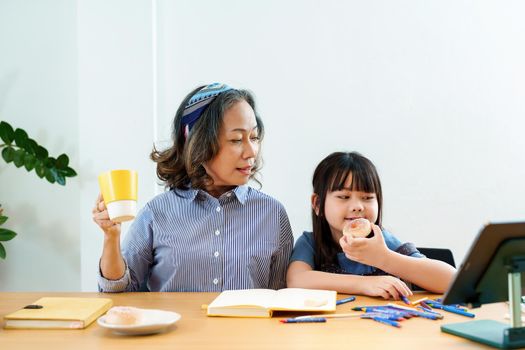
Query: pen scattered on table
{"points": [[385, 321], [347, 315], [304, 320], [390, 314], [456, 309], [345, 300], [425, 306], [418, 301]]}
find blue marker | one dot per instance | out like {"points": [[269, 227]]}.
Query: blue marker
{"points": [[345, 300], [451, 309], [431, 316], [405, 300], [386, 321], [428, 311], [457, 311], [384, 310], [304, 320]]}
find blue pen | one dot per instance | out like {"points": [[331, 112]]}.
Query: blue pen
{"points": [[428, 311], [393, 312], [387, 321], [431, 316], [457, 311], [405, 300], [451, 309], [304, 320], [384, 310], [362, 308], [425, 305], [386, 316], [345, 300]]}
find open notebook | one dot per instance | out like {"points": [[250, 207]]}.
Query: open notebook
{"points": [[262, 302]]}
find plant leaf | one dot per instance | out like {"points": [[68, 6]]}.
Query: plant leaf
{"points": [[2, 251], [39, 169], [8, 154], [61, 180], [70, 172], [29, 161], [41, 153], [3, 219], [6, 235], [21, 138], [18, 157], [62, 161], [49, 175], [6, 132], [50, 162], [31, 146]]}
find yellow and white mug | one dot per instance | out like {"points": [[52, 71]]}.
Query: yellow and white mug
{"points": [[119, 189]]}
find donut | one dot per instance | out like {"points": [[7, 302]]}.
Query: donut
{"points": [[123, 316], [358, 228]]}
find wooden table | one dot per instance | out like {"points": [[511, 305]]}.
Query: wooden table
{"points": [[196, 331]]}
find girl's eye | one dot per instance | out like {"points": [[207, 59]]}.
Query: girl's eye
{"points": [[369, 198], [343, 197]]}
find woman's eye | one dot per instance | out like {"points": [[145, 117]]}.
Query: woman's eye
{"points": [[236, 141], [255, 138]]}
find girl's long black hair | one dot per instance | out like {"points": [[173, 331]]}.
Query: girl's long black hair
{"points": [[330, 175]]}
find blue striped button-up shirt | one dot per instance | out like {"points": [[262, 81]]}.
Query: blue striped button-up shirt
{"points": [[189, 241]]}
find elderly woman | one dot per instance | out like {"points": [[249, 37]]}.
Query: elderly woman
{"points": [[210, 231]]}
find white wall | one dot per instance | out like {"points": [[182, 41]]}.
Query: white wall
{"points": [[38, 93], [78, 77], [115, 107], [431, 91]]}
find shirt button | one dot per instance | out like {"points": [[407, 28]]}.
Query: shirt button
{"points": [[217, 232], [218, 209], [215, 281], [216, 254]]}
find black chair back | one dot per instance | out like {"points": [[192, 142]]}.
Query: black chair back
{"points": [[441, 254]]}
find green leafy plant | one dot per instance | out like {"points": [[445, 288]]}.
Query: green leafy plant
{"points": [[21, 150], [5, 234]]}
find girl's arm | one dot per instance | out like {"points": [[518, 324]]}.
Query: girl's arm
{"points": [[432, 275], [301, 275]]}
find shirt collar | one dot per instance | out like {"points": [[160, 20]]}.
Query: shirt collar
{"points": [[189, 193], [240, 192]]}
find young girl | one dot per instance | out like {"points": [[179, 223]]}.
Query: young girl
{"points": [[347, 187], [210, 231]]}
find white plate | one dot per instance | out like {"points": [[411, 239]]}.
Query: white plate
{"points": [[153, 321]]}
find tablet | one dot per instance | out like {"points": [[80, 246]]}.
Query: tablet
{"points": [[483, 275]]}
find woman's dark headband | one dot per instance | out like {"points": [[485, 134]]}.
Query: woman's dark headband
{"points": [[198, 103]]}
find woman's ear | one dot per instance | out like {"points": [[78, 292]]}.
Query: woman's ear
{"points": [[315, 203]]}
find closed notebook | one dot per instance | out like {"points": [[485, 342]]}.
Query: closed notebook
{"points": [[61, 313], [263, 302]]}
